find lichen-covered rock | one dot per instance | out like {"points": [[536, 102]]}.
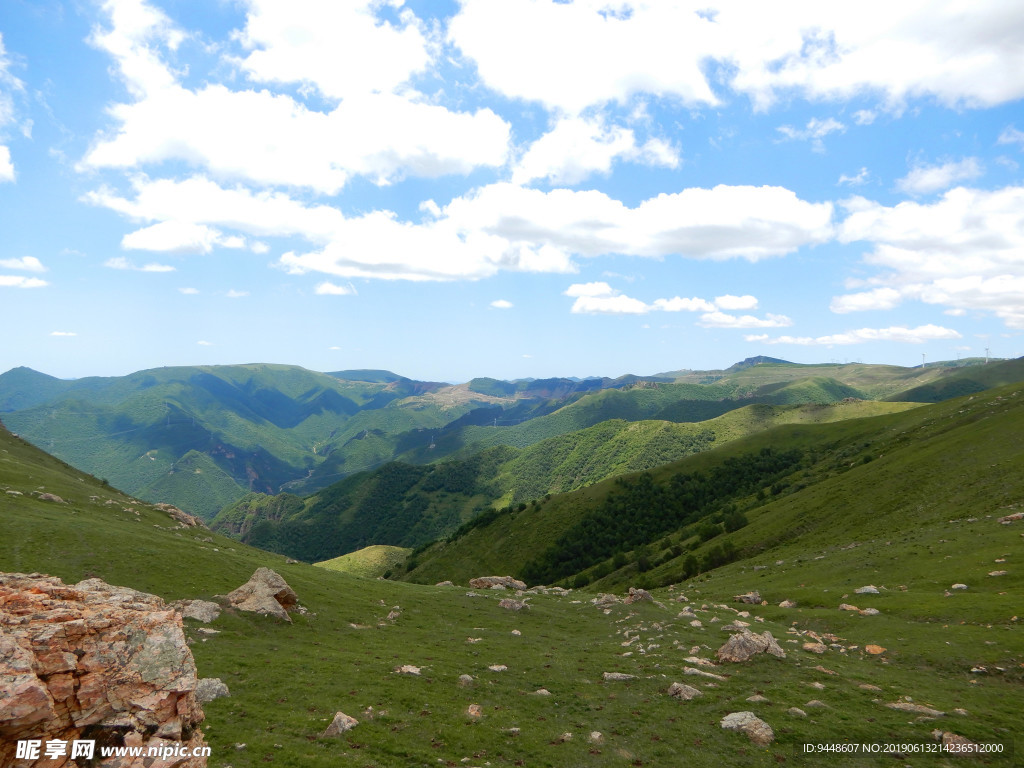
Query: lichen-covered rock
{"points": [[341, 723], [683, 692], [741, 647], [210, 688], [75, 657], [757, 730], [265, 592], [200, 610]]}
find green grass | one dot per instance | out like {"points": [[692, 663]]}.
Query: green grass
{"points": [[288, 680], [368, 562]]}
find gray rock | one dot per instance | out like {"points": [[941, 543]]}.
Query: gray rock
{"points": [[210, 688], [613, 676], [342, 723], [750, 598], [741, 647], [756, 729], [267, 593], [683, 692], [200, 610], [490, 582], [868, 590]]}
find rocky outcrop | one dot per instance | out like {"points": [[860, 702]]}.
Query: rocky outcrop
{"points": [[496, 582], [741, 647], [750, 598], [637, 595], [94, 661], [265, 592], [183, 518]]}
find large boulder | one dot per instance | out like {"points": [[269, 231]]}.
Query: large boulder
{"points": [[266, 592], [94, 656], [741, 647], [757, 730]]}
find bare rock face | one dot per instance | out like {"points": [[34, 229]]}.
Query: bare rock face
{"points": [[499, 582], [266, 592], [741, 647], [757, 730], [94, 661]]}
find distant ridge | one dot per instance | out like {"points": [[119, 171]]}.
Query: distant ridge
{"points": [[750, 362], [369, 375]]}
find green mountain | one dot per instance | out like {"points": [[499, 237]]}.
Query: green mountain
{"points": [[922, 514], [273, 428]]}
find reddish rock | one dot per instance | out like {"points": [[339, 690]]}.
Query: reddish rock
{"points": [[94, 655]]}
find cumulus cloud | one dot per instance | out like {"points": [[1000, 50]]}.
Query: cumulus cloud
{"points": [[925, 179], [502, 304], [837, 51], [724, 320], [963, 251], [601, 298], [26, 263], [918, 335], [576, 147], [736, 302], [267, 138], [20, 281], [179, 237]]}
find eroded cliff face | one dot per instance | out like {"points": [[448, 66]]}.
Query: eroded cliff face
{"points": [[94, 662]]}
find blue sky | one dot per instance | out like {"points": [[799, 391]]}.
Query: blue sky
{"points": [[508, 188]]}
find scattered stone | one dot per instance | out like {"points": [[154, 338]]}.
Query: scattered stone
{"points": [[51, 497], [207, 631], [266, 593], [517, 633], [696, 624], [210, 688], [341, 723], [817, 647], [869, 687], [683, 692], [595, 737], [796, 712], [564, 738], [998, 573], [183, 518], [917, 709], [93, 656], [407, 669], [542, 692], [817, 686], [498, 668], [757, 698], [444, 584], [815, 703], [636, 595], [870, 612], [603, 600], [465, 680], [848, 607], [490, 582], [756, 729], [750, 598], [870, 589], [787, 604], [874, 650], [959, 586], [474, 710], [741, 647], [200, 610], [1011, 518], [701, 673], [613, 676], [512, 605]]}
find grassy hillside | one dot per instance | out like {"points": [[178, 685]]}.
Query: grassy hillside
{"points": [[377, 560], [288, 680]]}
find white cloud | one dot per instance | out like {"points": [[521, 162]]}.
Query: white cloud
{"points": [[327, 288], [1011, 135], [267, 138], [864, 116], [963, 251], [815, 131], [205, 343], [678, 304], [189, 291], [609, 305], [855, 181], [879, 298], [577, 147], [6, 166], [925, 179], [731, 302], [27, 263], [723, 320], [63, 333], [20, 281], [178, 237], [119, 262], [494, 228], [233, 294], [823, 51], [590, 289], [919, 335], [502, 304]]}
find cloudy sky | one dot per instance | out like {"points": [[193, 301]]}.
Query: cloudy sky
{"points": [[509, 188]]}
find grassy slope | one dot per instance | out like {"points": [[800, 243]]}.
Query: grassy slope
{"points": [[368, 562], [287, 680]]}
